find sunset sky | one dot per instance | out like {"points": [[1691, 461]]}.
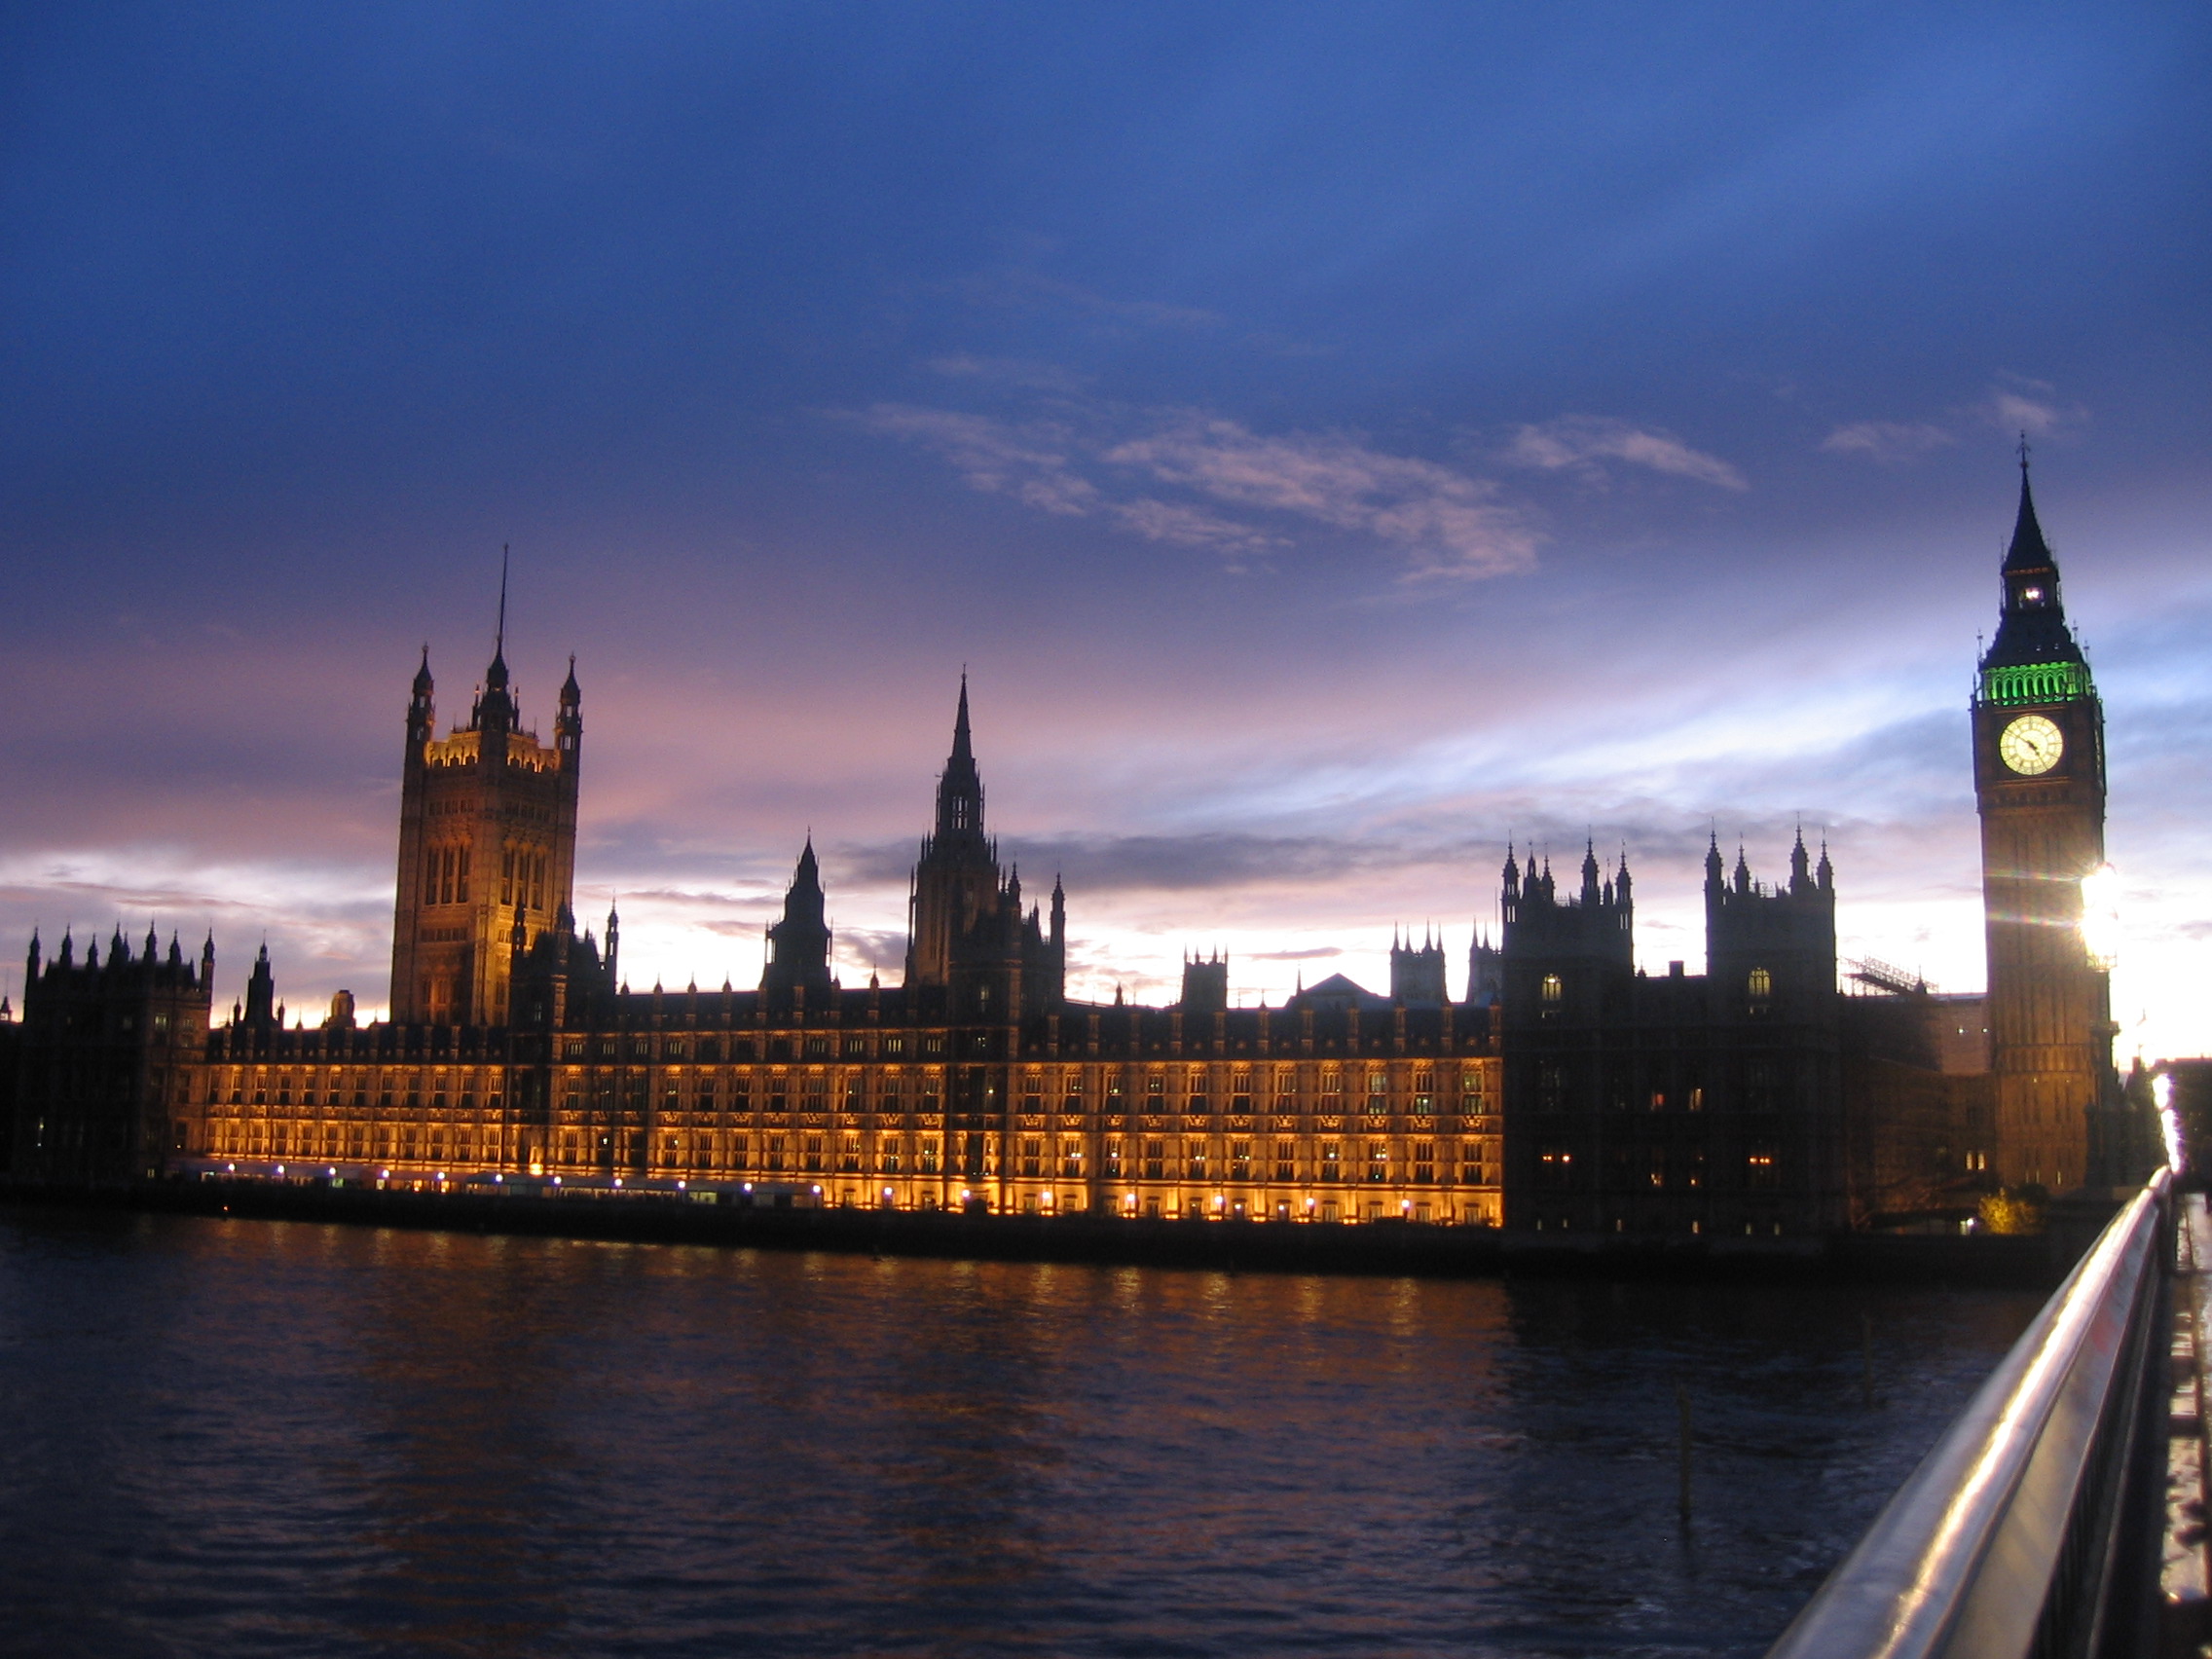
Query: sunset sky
{"points": [[1334, 439]]}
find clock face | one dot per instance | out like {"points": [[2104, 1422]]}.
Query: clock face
{"points": [[2031, 746]]}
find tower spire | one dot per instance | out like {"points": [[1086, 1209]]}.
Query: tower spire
{"points": [[2031, 629], [960, 791], [499, 638]]}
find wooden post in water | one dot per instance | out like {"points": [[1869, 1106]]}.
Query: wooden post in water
{"points": [[1867, 1357], [1682, 1412]]}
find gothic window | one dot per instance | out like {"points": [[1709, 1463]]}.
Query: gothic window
{"points": [[1110, 1155], [1197, 1161], [1155, 1159], [1552, 989], [1377, 1162], [1286, 1161], [1332, 1162], [1240, 1161], [1071, 1158], [1762, 984], [1762, 1169], [1554, 1166], [1551, 1086], [1424, 1161]]}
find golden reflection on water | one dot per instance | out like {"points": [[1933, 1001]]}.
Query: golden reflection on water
{"points": [[250, 1437]]}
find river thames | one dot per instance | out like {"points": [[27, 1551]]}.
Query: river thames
{"points": [[245, 1437]]}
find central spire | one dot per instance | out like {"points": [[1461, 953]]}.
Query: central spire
{"points": [[960, 790]]}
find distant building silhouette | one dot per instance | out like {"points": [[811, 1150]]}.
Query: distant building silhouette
{"points": [[1565, 1091]]}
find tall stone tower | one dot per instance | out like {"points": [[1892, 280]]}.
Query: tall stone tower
{"points": [[968, 940], [487, 847], [2039, 773], [956, 879]]}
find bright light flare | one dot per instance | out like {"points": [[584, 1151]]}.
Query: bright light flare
{"points": [[2169, 1120], [2100, 916]]}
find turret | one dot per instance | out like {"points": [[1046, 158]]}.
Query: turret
{"points": [[261, 992], [800, 943], [421, 709], [569, 722]]}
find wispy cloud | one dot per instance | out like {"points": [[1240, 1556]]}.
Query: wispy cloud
{"points": [[1447, 523], [2018, 404], [1029, 462], [1025, 373], [1578, 443], [1243, 492], [1888, 441], [1031, 289]]}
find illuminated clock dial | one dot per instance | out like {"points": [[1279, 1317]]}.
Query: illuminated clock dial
{"points": [[2031, 746]]}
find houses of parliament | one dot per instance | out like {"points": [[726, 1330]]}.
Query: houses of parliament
{"points": [[1564, 1090]]}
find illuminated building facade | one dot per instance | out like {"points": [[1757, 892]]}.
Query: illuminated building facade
{"points": [[977, 1083]]}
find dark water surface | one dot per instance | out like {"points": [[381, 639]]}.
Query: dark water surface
{"points": [[240, 1437]]}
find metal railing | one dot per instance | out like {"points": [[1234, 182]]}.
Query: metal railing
{"points": [[2020, 1535]]}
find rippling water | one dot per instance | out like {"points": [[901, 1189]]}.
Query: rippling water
{"points": [[236, 1437]]}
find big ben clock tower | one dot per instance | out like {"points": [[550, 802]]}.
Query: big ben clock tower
{"points": [[2038, 774]]}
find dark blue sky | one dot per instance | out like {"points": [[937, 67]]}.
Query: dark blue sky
{"points": [[1335, 438]]}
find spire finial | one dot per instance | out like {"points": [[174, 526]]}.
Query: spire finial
{"points": [[500, 640], [2024, 452]]}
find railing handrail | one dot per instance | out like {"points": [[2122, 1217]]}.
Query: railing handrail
{"points": [[1964, 1558]]}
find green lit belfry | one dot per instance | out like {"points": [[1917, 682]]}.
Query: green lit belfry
{"points": [[2039, 764]]}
